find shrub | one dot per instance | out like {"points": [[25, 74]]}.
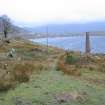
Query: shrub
{"points": [[22, 72], [102, 68], [6, 81], [70, 59], [67, 68], [5, 85], [18, 73]]}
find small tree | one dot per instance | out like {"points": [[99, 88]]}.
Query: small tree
{"points": [[5, 25]]}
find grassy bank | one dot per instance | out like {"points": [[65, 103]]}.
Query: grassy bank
{"points": [[43, 88]]}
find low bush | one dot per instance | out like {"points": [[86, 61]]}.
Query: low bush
{"points": [[67, 68], [7, 81], [22, 72], [71, 58], [18, 73], [102, 68]]}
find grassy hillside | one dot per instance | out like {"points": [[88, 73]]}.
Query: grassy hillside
{"points": [[47, 85]]}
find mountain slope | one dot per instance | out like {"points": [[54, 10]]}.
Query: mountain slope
{"points": [[65, 28]]}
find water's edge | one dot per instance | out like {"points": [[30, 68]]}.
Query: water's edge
{"points": [[76, 43]]}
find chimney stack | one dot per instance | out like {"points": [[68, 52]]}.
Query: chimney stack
{"points": [[87, 49]]}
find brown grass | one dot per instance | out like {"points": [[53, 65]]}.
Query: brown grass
{"points": [[22, 72], [15, 73], [29, 59], [18, 72], [7, 81], [67, 68], [86, 62]]}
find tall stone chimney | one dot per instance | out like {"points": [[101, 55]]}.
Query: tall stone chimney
{"points": [[87, 48]]}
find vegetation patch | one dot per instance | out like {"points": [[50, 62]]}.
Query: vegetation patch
{"points": [[22, 72], [67, 64], [71, 59], [30, 58], [6, 81], [72, 62], [64, 97]]}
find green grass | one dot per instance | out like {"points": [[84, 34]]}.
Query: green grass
{"points": [[42, 88]]}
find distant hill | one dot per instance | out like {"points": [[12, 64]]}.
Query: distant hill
{"points": [[17, 29], [69, 28]]}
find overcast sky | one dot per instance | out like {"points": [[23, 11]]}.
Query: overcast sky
{"points": [[38, 12]]}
